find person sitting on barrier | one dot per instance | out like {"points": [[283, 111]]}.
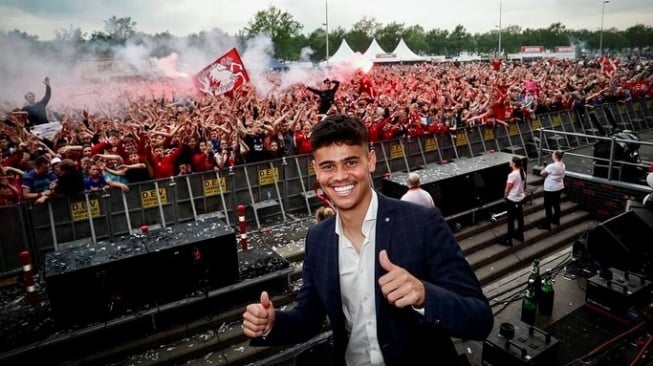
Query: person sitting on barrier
{"points": [[326, 95], [37, 111], [388, 274], [36, 182], [415, 193]]}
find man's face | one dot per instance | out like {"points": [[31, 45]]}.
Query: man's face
{"points": [[343, 172], [30, 98], [5, 190], [87, 151], [95, 171], [114, 140], [42, 169]]}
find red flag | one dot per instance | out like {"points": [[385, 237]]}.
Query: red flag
{"points": [[224, 75]]}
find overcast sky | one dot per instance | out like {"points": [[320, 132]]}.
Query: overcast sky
{"points": [[182, 17]]}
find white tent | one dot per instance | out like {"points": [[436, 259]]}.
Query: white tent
{"points": [[405, 54], [374, 51], [343, 54]]}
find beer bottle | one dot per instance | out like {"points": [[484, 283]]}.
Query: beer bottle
{"points": [[529, 305], [545, 302]]}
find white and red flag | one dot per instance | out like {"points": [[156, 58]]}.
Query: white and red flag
{"points": [[224, 75]]}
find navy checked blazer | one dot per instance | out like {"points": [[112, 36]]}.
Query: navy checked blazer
{"points": [[418, 239]]}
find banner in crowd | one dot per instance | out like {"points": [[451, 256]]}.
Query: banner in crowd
{"points": [[46, 130], [224, 75]]}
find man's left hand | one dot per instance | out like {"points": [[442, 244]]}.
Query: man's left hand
{"points": [[398, 286]]}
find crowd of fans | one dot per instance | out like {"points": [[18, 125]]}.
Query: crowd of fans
{"points": [[157, 138]]}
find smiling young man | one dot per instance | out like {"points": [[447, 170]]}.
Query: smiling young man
{"points": [[388, 274]]}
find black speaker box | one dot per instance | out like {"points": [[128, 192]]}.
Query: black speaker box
{"points": [[97, 282], [192, 262], [623, 242]]}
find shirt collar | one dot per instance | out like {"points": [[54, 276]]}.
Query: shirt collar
{"points": [[370, 215]]}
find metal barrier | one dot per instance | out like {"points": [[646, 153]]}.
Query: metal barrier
{"points": [[281, 186], [610, 164]]}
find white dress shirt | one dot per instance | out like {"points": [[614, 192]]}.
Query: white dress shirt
{"points": [[357, 286]]}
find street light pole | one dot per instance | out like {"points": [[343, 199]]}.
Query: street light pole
{"points": [[601, 32], [326, 25], [500, 10]]}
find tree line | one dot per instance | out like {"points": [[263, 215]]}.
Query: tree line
{"points": [[290, 43]]}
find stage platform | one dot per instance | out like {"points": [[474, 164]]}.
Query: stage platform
{"points": [[461, 184]]}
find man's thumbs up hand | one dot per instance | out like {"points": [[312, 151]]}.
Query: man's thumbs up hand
{"points": [[398, 286]]}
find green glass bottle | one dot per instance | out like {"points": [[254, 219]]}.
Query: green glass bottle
{"points": [[535, 277], [545, 301], [529, 305]]}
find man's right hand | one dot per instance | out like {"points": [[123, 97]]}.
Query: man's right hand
{"points": [[46, 81], [258, 319]]}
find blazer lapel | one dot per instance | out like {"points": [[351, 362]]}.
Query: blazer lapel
{"points": [[384, 222], [332, 276]]}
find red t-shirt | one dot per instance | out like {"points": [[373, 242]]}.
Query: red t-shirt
{"points": [[303, 143]]}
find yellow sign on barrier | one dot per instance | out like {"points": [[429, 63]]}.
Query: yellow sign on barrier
{"points": [[513, 130], [268, 176], [79, 211], [311, 169], [430, 144], [488, 134], [556, 121], [535, 124], [148, 198], [396, 151], [212, 188], [461, 139]]}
